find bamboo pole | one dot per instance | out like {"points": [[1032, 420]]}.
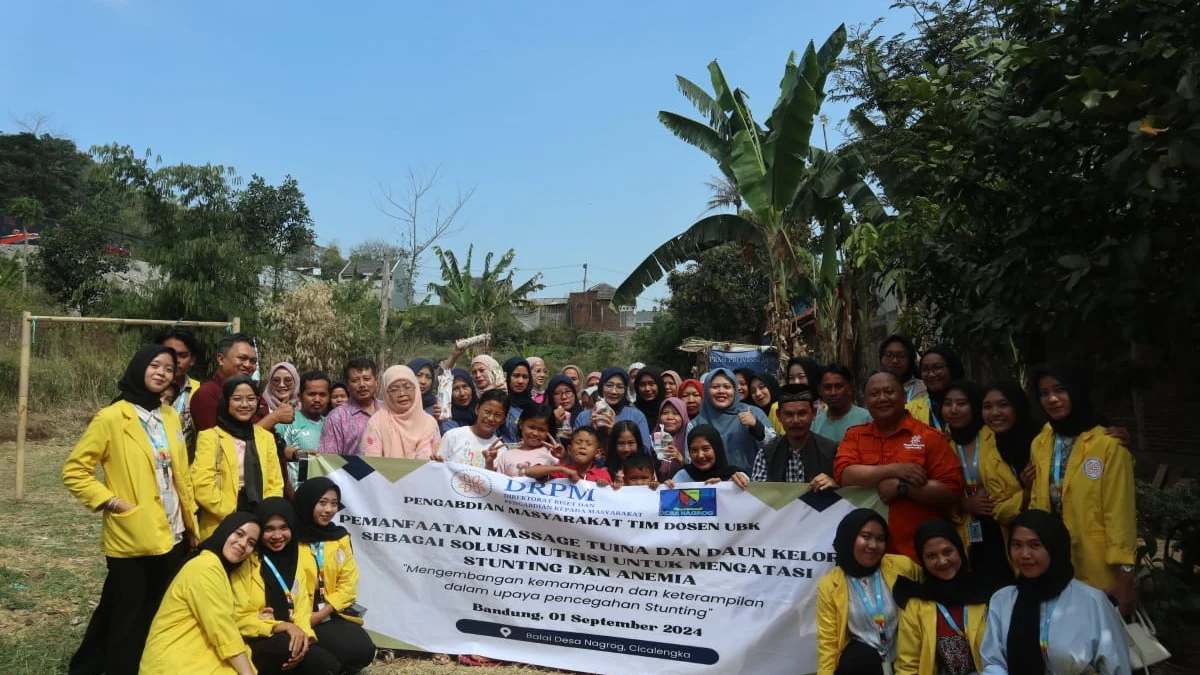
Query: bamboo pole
{"points": [[237, 324], [23, 400], [138, 322]]}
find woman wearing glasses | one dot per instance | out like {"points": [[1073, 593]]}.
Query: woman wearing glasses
{"points": [[940, 366], [402, 428], [614, 385]]}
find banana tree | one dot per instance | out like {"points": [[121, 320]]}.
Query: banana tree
{"points": [[783, 180]]}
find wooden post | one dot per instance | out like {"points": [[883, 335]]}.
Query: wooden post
{"points": [[237, 324], [23, 400]]}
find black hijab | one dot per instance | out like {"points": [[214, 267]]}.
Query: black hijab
{"points": [[773, 386], [132, 385], [1024, 627], [721, 467], [974, 396], [216, 541], [964, 589], [1014, 444], [649, 407], [747, 374], [914, 366], [812, 370], [1083, 414], [428, 398], [954, 365], [847, 532], [464, 415], [284, 561], [552, 400], [251, 493], [608, 374], [307, 496], [518, 400]]}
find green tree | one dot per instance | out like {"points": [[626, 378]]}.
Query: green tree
{"points": [[476, 304], [659, 343], [721, 272], [330, 260], [30, 213], [45, 168], [276, 223], [787, 185]]}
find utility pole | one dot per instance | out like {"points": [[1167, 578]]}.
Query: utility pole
{"points": [[385, 308], [585, 277]]}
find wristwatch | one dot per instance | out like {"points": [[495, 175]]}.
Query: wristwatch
{"points": [[902, 488]]}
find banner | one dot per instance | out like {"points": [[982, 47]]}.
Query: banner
{"points": [[458, 560], [756, 360]]}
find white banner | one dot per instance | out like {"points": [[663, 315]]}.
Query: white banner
{"points": [[457, 560]]}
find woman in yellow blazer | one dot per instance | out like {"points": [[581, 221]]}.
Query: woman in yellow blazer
{"points": [[237, 464], [940, 366], [148, 506], [1004, 462], [275, 599], [195, 631], [856, 615], [325, 549], [1085, 476], [942, 618]]}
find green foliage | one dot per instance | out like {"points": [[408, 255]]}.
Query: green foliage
{"points": [[476, 304], [723, 295], [275, 223], [330, 261], [44, 168], [659, 344]]}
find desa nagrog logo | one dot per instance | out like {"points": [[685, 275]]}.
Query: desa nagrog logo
{"points": [[471, 483], [690, 502]]}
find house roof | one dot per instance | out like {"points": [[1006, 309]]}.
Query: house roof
{"points": [[366, 268], [603, 291]]}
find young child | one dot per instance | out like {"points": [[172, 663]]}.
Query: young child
{"points": [[478, 444], [537, 446], [338, 394], [583, 449], [639, 470]]}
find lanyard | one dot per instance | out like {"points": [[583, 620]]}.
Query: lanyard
{"points": [[182, 401], [1060, 448], [970, 472], [162, 453], [876, 609], [950, 620], [908, 394], [1044, 633], [287, 590], [934, 420], [318, 550]]}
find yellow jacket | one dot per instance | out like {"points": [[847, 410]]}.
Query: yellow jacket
{"points": [[919, 408], [194, 631], [916, 637], [774, 417], [341, 573], [1098, 502], [116, 441], [1002, 485], [251, 592], [833, 608], [215, 474]]}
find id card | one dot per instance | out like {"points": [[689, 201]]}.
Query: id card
{"points": [[321, 606], [975, 532]]}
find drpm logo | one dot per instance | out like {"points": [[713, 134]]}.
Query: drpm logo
{"points": [[471, 483], [691, 502]]}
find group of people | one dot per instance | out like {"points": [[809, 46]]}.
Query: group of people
{"points": [[995, 523]]}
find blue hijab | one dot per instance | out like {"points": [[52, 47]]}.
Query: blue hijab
{"points": [[608, 374], [740, 446], [430, 398]]}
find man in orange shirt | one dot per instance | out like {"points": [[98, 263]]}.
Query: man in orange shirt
{"points": [[908, 461]]}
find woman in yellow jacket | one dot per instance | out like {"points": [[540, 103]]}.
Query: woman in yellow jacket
{"points": [[856, 615], [325, 548], [195, 631], [1004, 463], [942, 618], [940, 366], [148, 506], [1085, 477], [274, 593], [237, 464]]}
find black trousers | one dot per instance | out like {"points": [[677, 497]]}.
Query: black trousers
{"points": [[117, 632], [858, 658], [347, 642], [270, 653]]}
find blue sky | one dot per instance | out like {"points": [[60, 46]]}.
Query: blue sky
{"points": [[547, 108]]}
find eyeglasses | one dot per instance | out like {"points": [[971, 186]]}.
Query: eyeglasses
{"points": [[614, 386], [894, 356], [935, 368]]}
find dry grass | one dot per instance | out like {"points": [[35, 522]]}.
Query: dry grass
{"points": [[51, 568]]}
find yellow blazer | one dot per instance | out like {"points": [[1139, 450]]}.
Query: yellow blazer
{"points": [[916, 637], [251, 592], [215, 474], [1002, 485], [116, 441], [833, 608], [341, 573], [1098, 502], [919, 408], [194, 631]]}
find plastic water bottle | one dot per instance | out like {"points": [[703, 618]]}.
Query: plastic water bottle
{"points": [[661, 440]]}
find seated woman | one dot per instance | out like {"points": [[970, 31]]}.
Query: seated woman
{"points": [[1050, 622], [942, 619], [325, 550], [708, 465], [856, 615], [237, 464], [274, 599], [195, 630], [401, 428], [743, 427]]}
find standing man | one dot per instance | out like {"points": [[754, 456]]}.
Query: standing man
{"points": [[798, 456], [837, 391], [186, 351], [236, 355], [344, 427], [908, 461], [303, 435]]}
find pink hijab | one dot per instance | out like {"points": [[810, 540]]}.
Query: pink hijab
{"points": [[272, 402], [412, 434], [675, 376], [679, 437], [492, 365]]}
